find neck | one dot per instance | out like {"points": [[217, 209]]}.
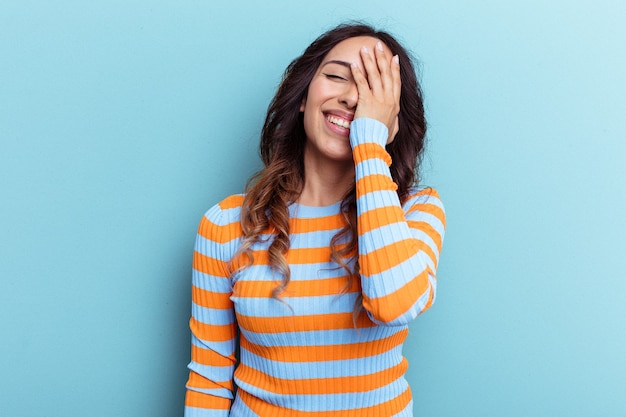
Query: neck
{"points": [[326, 185]]}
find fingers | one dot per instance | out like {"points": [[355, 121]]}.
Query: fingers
{"points": [[378, 86], [382, 74], [372, 67], [395, 77], [362, 85], [384, 67]]}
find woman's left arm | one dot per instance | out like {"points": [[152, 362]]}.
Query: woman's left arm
{"points": [[398, 246]]}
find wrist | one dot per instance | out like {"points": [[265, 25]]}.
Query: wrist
{"points": [[367, 130]]}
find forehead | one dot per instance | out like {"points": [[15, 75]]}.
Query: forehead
{"points": [[349, 49]]}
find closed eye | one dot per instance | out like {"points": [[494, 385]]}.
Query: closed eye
{"points": [[335, 77]]}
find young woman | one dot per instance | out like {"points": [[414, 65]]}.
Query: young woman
{"points": [[315, 273]]}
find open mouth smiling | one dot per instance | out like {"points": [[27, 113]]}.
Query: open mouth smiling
{"points": [[341, 122]]}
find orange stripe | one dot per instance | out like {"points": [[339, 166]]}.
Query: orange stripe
{"points": [[427, 191], [321, 287], [313, 386], [303, 323], [374, 182], [379, 217], [392, 306], [325, 353], [198, 381], [371, 150], [389, 408], [219, 234], [431, 254], [212, 333], [232, 201], [208, 265], [431, 298], [225, 233], [430, 209], [429, 230], [210, 357], [309, 255], [210, 299], [389, 256], [200, 400]]}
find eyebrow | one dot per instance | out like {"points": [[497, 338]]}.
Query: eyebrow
{"points": [[335, 61]]}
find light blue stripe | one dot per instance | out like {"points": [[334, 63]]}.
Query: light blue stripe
{"points": [[323, 337], [365, 130], [397, 229], [218, 392], [222, 217], [216, 317], [374, 199], [218, 374], [225, 348], [425, 237], [313, 240], [310, 212], [383, 236], [324, 369], [220, 251], [226, 216], [391, 280], [210, 282], [203, 412], [241, 409], [308, 240], [372, 166], [329, 402], [431, 219], [408, 316], [433, 285], [299, 272], [295, 306], [426, 198]]}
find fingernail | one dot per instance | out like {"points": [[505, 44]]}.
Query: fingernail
{"points": [[365, 50], [379, 46], [396, 59]]}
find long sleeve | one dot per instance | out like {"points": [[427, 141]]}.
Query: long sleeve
{"points": [[399, 245], [213, 324]]}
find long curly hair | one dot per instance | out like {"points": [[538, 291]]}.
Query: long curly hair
{"points": [[279, 184]]}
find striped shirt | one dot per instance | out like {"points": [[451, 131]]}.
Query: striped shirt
{"points": [[302, 354]]}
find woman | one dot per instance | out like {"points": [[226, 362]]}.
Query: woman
{"points": [[316, 272]]}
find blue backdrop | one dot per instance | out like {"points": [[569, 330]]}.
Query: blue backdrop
{"points": [[122, 122]]}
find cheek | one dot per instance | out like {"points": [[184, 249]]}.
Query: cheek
{"points": [[319, 91]]}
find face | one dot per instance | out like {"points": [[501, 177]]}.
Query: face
{"points": [[331, 101]]}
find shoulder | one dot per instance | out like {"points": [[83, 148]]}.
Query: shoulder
{"points": [[227, 210], [222, 221], [232, 202]]}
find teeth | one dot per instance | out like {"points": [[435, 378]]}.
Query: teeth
{"points": [[339, 122]]}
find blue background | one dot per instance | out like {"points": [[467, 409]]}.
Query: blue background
{"points": [[122, 122]]}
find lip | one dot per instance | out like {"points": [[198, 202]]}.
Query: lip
{"points": [[340, 113], [336, 129]]}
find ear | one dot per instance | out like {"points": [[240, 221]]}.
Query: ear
{"points": [[302, 105]]}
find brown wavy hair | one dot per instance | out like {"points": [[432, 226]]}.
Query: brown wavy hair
{"points": [[280, 182]]}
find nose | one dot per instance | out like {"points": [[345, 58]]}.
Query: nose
{"points": [[349, 97]]}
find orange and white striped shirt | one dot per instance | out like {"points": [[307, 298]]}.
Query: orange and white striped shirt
{"points": [[301, 355]]}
